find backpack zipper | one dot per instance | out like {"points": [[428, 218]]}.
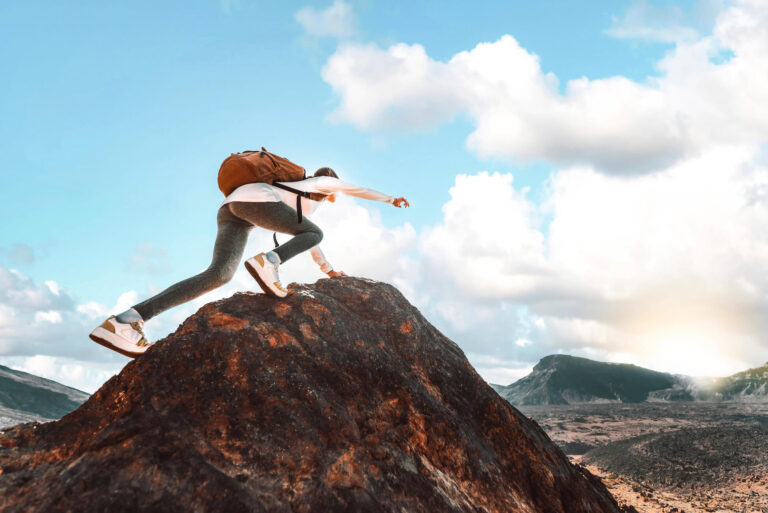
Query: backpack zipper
{"points": [[263, 153]]}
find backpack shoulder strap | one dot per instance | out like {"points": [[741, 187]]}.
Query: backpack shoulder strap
{"points": [[299, 194]]}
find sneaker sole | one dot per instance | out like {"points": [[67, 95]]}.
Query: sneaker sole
{"points": [[255, 274], [99, 335]]}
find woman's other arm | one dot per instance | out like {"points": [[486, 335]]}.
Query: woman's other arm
{"points": [[319, 257]]}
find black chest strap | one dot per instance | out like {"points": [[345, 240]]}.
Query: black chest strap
{"points": [[299, 194]]}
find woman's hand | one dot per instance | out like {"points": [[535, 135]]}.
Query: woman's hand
{"points": [[334, 274], [401, 201]]}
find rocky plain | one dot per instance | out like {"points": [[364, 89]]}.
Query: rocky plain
{"points": [[670, 457]]}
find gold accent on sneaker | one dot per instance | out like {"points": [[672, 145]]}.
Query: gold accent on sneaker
{"points": [[260, 259], [280, 287], [108, 325]]}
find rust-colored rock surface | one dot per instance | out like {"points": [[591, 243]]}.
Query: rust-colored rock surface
{"points": [[339, 398]]}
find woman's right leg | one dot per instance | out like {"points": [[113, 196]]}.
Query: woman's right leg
{"points": [[231, 238], [279, 217]]}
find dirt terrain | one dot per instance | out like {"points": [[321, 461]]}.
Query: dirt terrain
{"points": [[669, 457]]}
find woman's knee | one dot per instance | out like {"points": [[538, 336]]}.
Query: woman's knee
{"points": [[312, 236], [220, 275], [318, 233], [313, 230]]}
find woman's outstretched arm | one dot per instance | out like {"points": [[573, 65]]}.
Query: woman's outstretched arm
{"points": [[330, 185]]}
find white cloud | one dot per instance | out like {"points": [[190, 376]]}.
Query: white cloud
{"points": [[498, 370], [93, 310], [357, 242], [337, 20], [651, 241], [400, 88], [653, 267], [489, 241], [45, 319], [51, 316], [53, 287], [614, 124], [652, 23], [87, 376]]}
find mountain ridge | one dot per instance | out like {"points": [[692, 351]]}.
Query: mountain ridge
{"points": [[564, 379], [25, 397]]}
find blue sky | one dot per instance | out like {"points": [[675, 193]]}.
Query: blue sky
{"points": [[115, 119]]}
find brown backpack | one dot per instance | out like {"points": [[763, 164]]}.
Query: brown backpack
{"points": [[256, 166]]}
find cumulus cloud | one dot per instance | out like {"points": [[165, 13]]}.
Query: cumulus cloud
{"points": [[337, 20], [44, 329], [357, 242], [497, 370], [664, 270], [650, 242], [616, 125], [494, 244], [394, 89], [87, 376], [44, 319]]}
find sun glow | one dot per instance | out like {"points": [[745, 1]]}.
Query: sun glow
{"points": [[691, 352], [686, 334]]}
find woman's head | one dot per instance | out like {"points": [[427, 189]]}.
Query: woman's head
{"points": [[326, 171]]}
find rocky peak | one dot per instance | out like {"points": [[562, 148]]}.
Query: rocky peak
{"points": [[341, 397]]}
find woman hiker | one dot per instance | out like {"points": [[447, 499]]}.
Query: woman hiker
{"points": [[269, 206]]}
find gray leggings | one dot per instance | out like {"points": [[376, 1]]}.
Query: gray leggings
{"points": [[235, 221]]}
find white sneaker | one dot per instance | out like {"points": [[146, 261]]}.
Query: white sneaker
{"points": [[265, 273], [125, 338]]}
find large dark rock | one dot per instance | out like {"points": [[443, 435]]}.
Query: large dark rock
{"points": [[341, 397]]}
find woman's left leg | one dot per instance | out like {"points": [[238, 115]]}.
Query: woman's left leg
{"points": [[279, 217]]}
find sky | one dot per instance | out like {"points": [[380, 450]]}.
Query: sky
{"points": [[588, 178]]}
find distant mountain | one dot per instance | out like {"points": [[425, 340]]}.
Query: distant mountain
{"points": [[747, 386], [25, 397], [564, 379]]}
